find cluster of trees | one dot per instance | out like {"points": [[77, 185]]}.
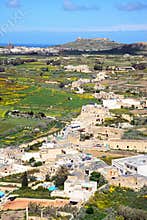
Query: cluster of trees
{"points": [[34, 147], [30, 114], [35, 163], [85, 136], [139, 66], [114, 122], [60, 177], [17, 61]]}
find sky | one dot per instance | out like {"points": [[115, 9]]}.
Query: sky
{"points": [[49, 22]]}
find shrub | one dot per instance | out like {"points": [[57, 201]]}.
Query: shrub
{"points": [[90, 210]]}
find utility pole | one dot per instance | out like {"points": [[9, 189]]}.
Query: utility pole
{"points": [[27, 213], [42, 213]]}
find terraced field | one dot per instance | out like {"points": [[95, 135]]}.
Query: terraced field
{"points": [[39, 88], [27, 88]]}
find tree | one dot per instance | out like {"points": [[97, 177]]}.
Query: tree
{"points": [[25, 180], [90, 210], [32, 160], [60, 177], [37, 164], [61, 85], [41, 115], [98, 67], [47, 177], [96, 176]]}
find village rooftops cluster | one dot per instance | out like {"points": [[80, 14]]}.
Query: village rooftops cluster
{"points": [[29, 50]]}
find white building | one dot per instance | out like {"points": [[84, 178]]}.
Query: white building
{"points": [[132, 165], [118, 103], [79, 68], [100, 76], [126, 68], [130, 102], [47, 145], [111, 104], [80, 82], [79, 190], [27, 156]]}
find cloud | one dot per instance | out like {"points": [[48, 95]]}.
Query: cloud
{"points": [[13, 3], [69, 5], [132, 6]]}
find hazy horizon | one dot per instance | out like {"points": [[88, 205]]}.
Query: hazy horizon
{"points": [[55, 39]]}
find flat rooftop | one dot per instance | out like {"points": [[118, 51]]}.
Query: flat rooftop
{"points": [[139, 160]]}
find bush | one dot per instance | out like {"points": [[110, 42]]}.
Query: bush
{"points": [[98, 67], [90, 210], [37, 164], [32, 160]]}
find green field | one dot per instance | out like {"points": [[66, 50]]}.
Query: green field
{"points": [[25, 88], [36, 87]]}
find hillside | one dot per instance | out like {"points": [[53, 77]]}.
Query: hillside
{"points": [[97, 44], [104, 45], [136, 48]]}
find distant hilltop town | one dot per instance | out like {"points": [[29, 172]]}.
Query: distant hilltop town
{"points": [[94, 39]]}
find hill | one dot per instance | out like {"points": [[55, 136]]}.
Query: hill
{"points": [[104, 45], [95, 44], [136, 48]]}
